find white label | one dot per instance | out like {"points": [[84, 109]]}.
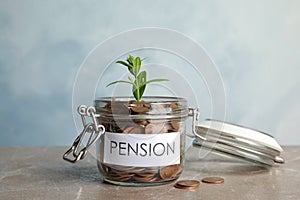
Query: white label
{"points": [[142, 150]]}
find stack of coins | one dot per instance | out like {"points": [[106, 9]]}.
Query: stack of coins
{"points": [[213, 180], [192, 184], [187, 184], [140, 174]]}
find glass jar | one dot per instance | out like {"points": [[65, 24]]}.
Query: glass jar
{"points": [[143, 143]]}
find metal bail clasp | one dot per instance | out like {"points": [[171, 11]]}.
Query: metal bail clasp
{"points": [[195, 114], [94, 129]]}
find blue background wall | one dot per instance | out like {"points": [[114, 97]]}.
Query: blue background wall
{"points": [[255, 44]]}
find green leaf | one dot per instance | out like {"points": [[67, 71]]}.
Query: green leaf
{"points": [[141, 78], [124, 63], [135, 93], [138, 63], [130, 79], [130, 59], [131, 70], [139, 85], [120, 81], [134, 71], [138, 92], [156, 80], [142, 89]]}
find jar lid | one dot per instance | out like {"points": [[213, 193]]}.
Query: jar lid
{"points": [[238, 142]]}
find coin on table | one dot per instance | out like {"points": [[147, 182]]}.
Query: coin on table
{"points": [[187, 184], [213, 180]]}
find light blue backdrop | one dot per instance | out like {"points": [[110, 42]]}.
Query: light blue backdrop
{"points": [[255, 44]]}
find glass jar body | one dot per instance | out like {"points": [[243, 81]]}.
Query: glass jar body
{"points": [[143, 144]]}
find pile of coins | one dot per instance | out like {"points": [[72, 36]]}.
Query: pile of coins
{"points": [[140, 174], [213, 180], [193, 184], [139, 126], [187, 184]]}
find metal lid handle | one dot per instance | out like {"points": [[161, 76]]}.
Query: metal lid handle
{"points": [[194, 112], [94, 129]]}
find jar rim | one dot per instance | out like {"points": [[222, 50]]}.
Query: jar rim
{"points": [[155, 101], [148, 98]]}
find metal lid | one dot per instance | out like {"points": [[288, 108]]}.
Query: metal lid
{"points": [[238, 142]]}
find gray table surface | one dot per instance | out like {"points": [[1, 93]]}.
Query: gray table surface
{"points": [[40, 173]]}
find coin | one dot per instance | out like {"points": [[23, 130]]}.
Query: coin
{"points": [[156, 128], [128, 129], [124, 179], [147, 105], [185, 188], [151, 170], [213, 180], [187, 184], [105, 168], [140, 109], [145, 177], [119, 108], [140, 122], [175, 125], [168, 171], [174, 105]]}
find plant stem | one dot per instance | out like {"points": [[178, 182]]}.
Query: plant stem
{"points": [[138, 94]]}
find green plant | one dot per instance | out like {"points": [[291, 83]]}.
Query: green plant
{"points": [[139, 79]]}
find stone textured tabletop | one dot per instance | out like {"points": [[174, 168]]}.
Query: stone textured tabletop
{"points": [[40, 173]]}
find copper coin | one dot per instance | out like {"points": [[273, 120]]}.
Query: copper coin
{"points": [[174, 105], [175, 125], [138, 130], [168, 171], [139, 109], [119, 108], [144, 179], [134, 130], [213, 180], [147, 105], [147, 178], [134, 103], [150, 170], [187, 184], [184, 187], [140, 122], [145, 174], [128, 129], [105, 168], [156, 128]]}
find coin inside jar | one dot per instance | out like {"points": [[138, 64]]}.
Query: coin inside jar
{"points": [[187, 184], [213, 180], [168, 171], [145, 119]]}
